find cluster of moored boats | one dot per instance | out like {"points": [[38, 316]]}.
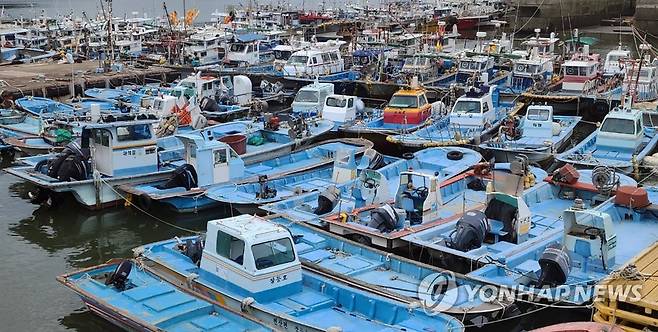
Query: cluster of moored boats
{"points": [[329, 234]]}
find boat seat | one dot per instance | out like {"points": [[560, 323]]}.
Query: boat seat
{"points": [[167, 301], [148, 291], [317, 256], [407, 204], [497, 229]]}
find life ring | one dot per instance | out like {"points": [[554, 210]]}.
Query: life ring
{"points": [[455, 155]]}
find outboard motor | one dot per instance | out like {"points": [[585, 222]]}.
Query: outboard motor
{"points": [[376, 160], [69, 165], [265, 191], [183, 176], [327, 200], [386, 218], [555, 265], [470, 232], [209, 105], [119, 277], [298, 127], [193, 250]]}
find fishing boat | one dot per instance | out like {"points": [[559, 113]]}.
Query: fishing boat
{"points": [[375, 186], [252, 265], [622, 141], [407, 111], [387, 274], [599, 235], [615, 61], [475, 117], [43, 106], [539, 135], [109, 154], [534, 68], [246, 197], [249, 49], [513, 219], [216, 165], [136, 300]]}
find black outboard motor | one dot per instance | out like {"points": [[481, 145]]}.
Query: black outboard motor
{"points": [[265, 191], [69, 165], [184, 176], [194, 250], [385, 219], [375, 158], [209, 105], [327, 200], [470, 232], [555, 266], [120, 275]]}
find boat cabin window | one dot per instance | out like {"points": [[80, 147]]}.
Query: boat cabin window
{"points": [[538, 114], [638, 126], [220, 156], [619, 126], [282, 55], [615, 57], [237, 47], [273, 253], [485, 108], [336, 102], [306, 96], [350, 103], [400, 101], [422, 100], [230, 247], [467, 106], [524, 68], [298, 60], [207, 86], [314, 60], [133, 132], [102, 137], [250, 48], [334, 56], [326, 58]]}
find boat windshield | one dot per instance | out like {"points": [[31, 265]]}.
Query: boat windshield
{"points": [[336, 102], [273, 253], [523, 68], [133, 133], [298, 60], [403, 101], [618, 126], [467, 106], [238, 47], [538, 114], [307, 96], [282, 55]]}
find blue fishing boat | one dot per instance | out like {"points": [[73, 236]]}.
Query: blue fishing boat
{"points": [[475, 117], [597, 238], [539, 135], [43, 106], [136, 300], [511, 221], [248, 196], [375, 186], [109, 154], [252, 265], [386, 274], [622, 141], [209, 168], [419, 203]]}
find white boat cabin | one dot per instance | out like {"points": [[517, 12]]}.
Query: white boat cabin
{"points": [[341, 108], [214, 161], [205, 48], [538, 122], [122, 148], [614, 61], [475, 66], [254, 254], [313, 63], [310, 99], [622, 130], [196, 87], [581, 72], [476, 108], [249, 50]]}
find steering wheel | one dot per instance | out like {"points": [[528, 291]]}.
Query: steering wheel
{"points": [[369, 183], [421, 192], [592, 232]]}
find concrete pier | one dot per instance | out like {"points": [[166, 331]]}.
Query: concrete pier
{"points": [[54, 80]]}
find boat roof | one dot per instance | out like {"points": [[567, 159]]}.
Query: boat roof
{"points": [[621, 113], [410, 92], [578, 63], [250, 228], [249, 37]]}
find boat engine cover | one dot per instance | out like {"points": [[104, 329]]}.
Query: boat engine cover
{"points": [[470, 231], [385, 219], [327, 201], [555, 266], [631, 196]]}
